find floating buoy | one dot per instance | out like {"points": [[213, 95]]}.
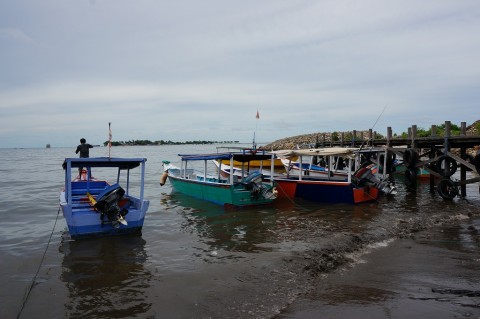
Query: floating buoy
{"points": [[163, 178]]}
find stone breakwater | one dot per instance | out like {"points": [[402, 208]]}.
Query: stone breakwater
{"points": [[298, 141], [306, 140]]}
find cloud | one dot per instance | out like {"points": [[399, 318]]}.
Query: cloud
{"points": [[185, 70]]}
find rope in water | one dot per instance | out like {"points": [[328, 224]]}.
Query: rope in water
{"points": [[39, 266]]}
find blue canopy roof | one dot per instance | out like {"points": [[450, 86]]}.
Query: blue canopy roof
{"points": [[122, 163]]}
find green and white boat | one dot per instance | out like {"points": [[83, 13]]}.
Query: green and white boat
{"points": [[213, 185]]}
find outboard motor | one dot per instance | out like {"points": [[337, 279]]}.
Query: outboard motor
{"points": [[255, 183], [108, 205], [365, 176]]}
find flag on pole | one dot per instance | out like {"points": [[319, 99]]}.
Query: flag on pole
{"points": [[258, 115], [109, 138]]}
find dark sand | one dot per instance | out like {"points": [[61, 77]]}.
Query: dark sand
{"points": [[432, 274]]}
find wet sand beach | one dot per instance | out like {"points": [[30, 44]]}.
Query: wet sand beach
{"points": [[432, 274]]}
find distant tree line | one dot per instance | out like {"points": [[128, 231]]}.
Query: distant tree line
{"points": [[162, 142], [440, 131]]}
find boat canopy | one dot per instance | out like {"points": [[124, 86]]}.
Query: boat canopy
{"points": [[239, 157], [121, 163], [371, 149], [331, 151]]}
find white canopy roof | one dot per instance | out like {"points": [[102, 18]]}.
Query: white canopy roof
{"points": [[330, 151]]}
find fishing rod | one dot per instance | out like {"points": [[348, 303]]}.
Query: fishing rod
{"points": [[378, 118]]}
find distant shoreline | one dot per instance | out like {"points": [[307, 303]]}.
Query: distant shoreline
{"points": [[162, 142]]}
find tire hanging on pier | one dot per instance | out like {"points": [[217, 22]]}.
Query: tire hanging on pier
{"points": [[446, 166], [447, 189], [477, 162], [410, 158], [411, 178]]}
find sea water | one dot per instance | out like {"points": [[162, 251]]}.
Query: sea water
{"points": [[194, 259]]}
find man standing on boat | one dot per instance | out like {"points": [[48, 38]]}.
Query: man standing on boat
{"points": [[84, 149]]}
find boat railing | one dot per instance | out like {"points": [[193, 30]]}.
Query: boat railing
{"points": [[211, 179]]}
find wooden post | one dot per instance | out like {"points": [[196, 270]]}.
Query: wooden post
{"points": [[414, 136], [323, 140], [370, 137], [463, 128], [463, 173], [389, 136], [446, 144], [432, 154], [354, 135], [447, 136], [463, 155], [342, 137]]}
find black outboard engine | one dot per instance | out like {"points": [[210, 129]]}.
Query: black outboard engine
{"points": [[365, 176], [108, 205], [257, 187]]}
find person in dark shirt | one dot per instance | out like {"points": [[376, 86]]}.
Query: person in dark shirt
{"points": [[84, 150]]}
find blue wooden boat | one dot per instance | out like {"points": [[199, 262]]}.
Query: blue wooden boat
{"points": [[230, 191], [94, 207]]}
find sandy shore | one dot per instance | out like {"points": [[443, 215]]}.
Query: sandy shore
{"points": [[433, 274]]}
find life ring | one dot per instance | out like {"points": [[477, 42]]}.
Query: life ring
{"points": [[450, 163], [410, 158], [411, 178], [447, 189]]}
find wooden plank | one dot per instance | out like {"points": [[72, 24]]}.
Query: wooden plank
{"points": [[462, 161]]}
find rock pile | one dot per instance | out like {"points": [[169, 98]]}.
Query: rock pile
{"points": [[308, 140], [302, 141]]}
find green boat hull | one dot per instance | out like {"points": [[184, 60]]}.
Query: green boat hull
{"points": [[219, 193]]}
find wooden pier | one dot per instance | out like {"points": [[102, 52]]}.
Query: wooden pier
{"points": [[433, 154]]}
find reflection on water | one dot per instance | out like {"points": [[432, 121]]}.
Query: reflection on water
{"points": [[233, 230], [106, 277]]}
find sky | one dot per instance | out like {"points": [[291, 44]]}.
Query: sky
{"points": [[189, 70]]}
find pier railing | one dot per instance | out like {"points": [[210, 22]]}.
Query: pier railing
{"points": [[439, 155]]}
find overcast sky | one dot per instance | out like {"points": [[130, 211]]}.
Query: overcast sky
{"points": [[199, 70]]}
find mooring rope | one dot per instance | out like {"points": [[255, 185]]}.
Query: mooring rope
{"points": [[39, 266], [285, 193]]}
